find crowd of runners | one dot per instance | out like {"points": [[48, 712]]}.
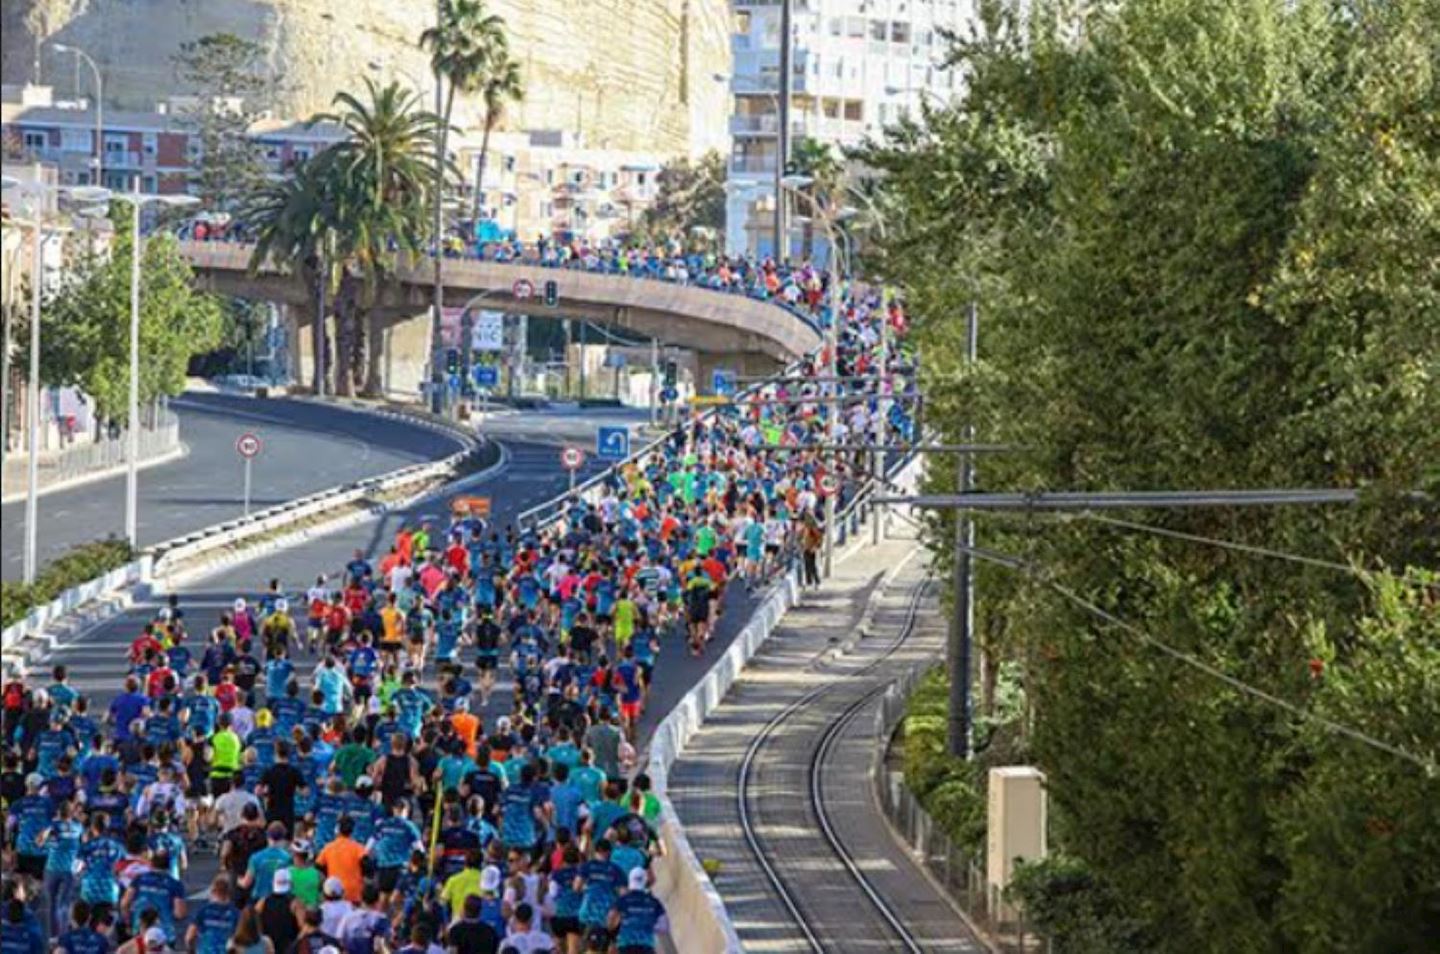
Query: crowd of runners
{"points": [[434, 750]]}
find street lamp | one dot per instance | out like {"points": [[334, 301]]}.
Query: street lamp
{"points": [[99, 107], [137, 201], [37, 191], [782, 154]]}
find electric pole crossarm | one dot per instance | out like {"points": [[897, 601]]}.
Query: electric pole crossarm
{"points": [[1128, 500]]}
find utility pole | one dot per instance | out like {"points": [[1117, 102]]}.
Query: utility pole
{"points": [[437, 345], [782, 133], [962, 629]]}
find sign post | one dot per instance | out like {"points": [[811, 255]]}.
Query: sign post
{"points": [[248, 446], [572, 459]]}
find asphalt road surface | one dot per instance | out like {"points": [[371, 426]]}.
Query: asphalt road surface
{"points": [[530, 476], [307, 447]]}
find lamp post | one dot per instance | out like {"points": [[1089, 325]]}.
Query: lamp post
{"points": [[782, 154], [99, 107], [37, 191], [137, 201]]}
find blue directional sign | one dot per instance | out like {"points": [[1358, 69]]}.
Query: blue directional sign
{"points": [[722, 382], [612, 443], [486, 375], [669, 394]]}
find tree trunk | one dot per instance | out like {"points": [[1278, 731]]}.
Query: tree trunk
{"points": [[347, 338], [480, 169], [374, 354], [318, 343]]}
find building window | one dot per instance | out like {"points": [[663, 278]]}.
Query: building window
{"points": [[147, 184], [878, 30], [854, 110], [150, 144], [899, 32], [76, 140], [301, 153], [34, 139]]}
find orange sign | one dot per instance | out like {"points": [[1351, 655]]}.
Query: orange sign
{"points": [[470, 507]]}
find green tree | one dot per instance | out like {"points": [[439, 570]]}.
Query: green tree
{"points": [[341, 221], [85, 339], [690, 194], [225, 74], [1204, 236]]}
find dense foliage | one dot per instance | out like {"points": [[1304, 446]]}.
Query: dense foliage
{"points": [[225, 75], [80, 565], [689, 202], [1204, 236], [85, 330]]}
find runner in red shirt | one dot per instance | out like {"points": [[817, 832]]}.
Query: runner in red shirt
{"points": [[143, 644], [155, 683]]}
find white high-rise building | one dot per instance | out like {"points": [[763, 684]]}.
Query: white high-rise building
{"points": [[857, 65]]}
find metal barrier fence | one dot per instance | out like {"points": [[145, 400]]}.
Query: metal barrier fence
{"points": [[81, 460], [960, 874]]}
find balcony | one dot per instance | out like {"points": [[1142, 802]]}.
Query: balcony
{"points": [[117, 159], [764, 124], [753, 165]]}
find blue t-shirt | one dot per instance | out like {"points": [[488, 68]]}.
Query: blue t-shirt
{"points": [[640, 914], [517, 828], [567, 800], [363, 662], [83, 941], [603, 880], [204, 711], [32, 816], [263, 865], [125, 709], [98, 857], [567, 899], [215, 923], [277, 677], [411, 704], [157, 890], [62, 847], [395, 838]]}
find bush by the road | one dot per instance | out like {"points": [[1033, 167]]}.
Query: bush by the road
{"points": [[80, 565], [950, 789]]}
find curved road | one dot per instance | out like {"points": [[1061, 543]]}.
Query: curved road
{"points": [[308, 447]]}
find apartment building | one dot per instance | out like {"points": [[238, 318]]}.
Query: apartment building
{"points": [[856, 66]]}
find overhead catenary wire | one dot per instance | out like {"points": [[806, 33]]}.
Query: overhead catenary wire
{"points": [[1042, 575]]}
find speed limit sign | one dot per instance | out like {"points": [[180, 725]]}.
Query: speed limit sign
{"points": [[572, 458], [830, 484], [248, 445], [523, 289]]}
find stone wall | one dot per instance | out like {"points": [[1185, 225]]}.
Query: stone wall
{"points": [[627, 74]]}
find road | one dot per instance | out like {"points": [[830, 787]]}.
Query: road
{"points": [[782, 767], [308, 447], [530, 476]]}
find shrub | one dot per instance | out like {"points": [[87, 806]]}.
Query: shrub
{"points": [[1064, 901], [80, 565]]}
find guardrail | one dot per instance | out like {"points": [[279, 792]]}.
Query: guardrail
{"points": [[165, 558], [958, 873], [94, 459], [170, 554]]}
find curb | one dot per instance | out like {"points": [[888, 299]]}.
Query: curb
{"points": [[178, 452]]}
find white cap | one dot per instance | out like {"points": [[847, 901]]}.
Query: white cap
{"points": [[282, 605], [34, 780], [490, 878], [334, 887], [638, 879], [239, 603], [281, 882], [155, 938]]}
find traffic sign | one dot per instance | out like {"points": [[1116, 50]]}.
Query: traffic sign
{"points": [[248, 445], [722, 381], [486, 375], [470, 507], [830, 484], [612, 443], [669, 394], [523, 289], [572, 458]]}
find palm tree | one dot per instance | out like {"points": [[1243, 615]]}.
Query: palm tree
{"points": [[292, 232], [816, 159], [503, 85], [462, 44], [382, 177]]}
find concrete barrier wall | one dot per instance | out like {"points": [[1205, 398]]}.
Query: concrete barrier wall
{"points": [[698, 919]]}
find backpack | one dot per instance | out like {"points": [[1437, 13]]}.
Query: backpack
{"points": [[15, 695]]}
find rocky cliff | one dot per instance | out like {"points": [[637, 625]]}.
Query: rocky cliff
{"points": [[623, 73]]}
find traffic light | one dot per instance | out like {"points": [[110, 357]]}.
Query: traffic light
{"points": [[672, 373], [452, 361], [552, 293]]}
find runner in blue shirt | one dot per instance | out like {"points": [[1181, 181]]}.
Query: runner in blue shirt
{"points": [[82, 938], [156, 890], [395, 837], [599, 881], [215, 921], [637, 917], [98, 856], [29, 817]]}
